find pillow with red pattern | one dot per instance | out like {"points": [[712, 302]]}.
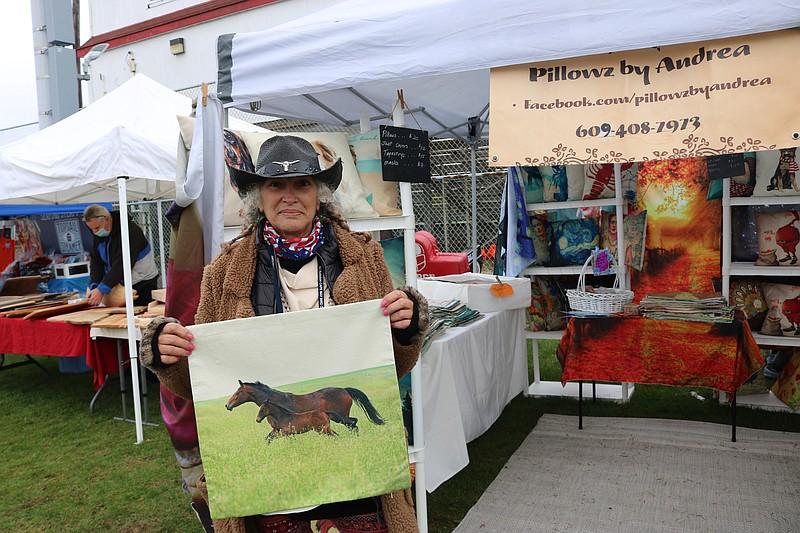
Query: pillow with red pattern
{"points": [[783, 315]]}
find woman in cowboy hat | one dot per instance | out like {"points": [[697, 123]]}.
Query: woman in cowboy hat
{"points": [[297, 253]]}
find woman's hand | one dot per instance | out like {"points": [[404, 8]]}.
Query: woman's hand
{"points": [[174, 342], [399, 308]]}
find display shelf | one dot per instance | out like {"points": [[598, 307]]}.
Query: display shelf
{"points": [[765, 200], [767, 401], [570, 204], [773, 340], [551, 271], [749, 269], [539, 388], [381, 223], [603, 391]]}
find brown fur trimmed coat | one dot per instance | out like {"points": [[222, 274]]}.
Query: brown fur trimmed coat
{"points": [[225, 295]]}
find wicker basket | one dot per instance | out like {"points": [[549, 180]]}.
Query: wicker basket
{"points": [[604, 301]]}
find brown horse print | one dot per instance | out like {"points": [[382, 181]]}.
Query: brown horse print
{"points": [[286, 422], [335, 399]]}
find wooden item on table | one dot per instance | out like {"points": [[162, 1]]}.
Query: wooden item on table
{"points": [[22, 285], [85, 316], [159, 295], [156, 308], [25, 309], [137, 310], [120, 322], [8, 303], [116, 298], [56, 310]]}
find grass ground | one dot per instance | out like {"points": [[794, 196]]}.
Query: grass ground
{"points": [[67, 470]]}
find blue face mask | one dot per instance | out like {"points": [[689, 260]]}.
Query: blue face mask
{"points": [[102, 232]]}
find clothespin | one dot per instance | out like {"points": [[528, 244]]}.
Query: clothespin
{"points": [[204, 89], [400, 98]]}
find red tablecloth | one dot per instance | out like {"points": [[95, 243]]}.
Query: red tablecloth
{"points": [[40, 337], [669, 352]]}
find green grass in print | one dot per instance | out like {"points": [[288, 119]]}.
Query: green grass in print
{"points": [[247, 475]]}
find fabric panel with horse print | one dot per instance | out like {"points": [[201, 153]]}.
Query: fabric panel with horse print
{"points": [[302, 372]]}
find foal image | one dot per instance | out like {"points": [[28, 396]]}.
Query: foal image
{"points": [[286, 422]]}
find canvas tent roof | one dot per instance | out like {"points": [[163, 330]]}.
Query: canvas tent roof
{"points": [[132, 131], [354, 55]]}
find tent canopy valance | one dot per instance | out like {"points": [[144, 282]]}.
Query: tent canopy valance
{"points": [[353, 56]]}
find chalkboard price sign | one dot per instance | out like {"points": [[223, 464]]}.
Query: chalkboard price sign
{"points": [[725, 166], [405, 155]]}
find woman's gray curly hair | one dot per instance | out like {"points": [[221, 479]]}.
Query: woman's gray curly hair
{"points": [[328, 207]]}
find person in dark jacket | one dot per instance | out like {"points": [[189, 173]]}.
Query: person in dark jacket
{"points": [[106, 270]]}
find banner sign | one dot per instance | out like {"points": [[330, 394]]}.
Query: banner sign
{"points": [[689, 100]]}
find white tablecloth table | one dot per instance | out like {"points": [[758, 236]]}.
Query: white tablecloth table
{"points": [[469, 375]]}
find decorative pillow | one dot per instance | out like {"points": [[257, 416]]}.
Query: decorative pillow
{"points": [[778, 238], [554, 301], [630, 181], [532, 183], [783, 315], [608, 232], [366, 150], [747, 295], [537, 231], [786, 386], [599, 182], [635, 228], [535, 314], [351, 195], [740, 185], [576, 177], [555, 183], [394, 256], [777, 173], [572, 241], [744, 233]]}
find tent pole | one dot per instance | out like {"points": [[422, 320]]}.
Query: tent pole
{"points": [[409, 249], [474, 196], [131, 330]]}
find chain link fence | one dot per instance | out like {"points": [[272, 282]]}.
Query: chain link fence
{"points": [[442, 207], [150, 216]]}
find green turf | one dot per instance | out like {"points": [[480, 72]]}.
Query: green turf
{"points": [[65, 469]]}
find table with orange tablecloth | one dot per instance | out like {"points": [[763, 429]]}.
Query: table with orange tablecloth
{"points": [[667, 352], [59, 339]]}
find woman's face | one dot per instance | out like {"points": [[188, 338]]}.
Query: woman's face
{"points": [[290, 204]]}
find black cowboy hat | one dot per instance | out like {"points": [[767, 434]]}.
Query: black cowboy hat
{"points": [[286, 156]]}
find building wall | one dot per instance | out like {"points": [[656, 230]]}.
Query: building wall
{"points": [[152, 56]]}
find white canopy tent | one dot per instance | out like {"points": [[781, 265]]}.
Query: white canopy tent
{"points": [[333, 65], [122, 147]]}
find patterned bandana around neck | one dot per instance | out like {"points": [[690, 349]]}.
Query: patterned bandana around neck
{"points": [[299, 248]]}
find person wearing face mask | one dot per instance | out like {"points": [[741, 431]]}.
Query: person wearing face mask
{"points": [[106, 271]]}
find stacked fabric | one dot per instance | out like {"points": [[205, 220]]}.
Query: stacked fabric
{"points": [[694, 307], [444, 315]]}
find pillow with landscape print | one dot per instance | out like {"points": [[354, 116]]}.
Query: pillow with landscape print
{"points": [[746, 294], [783, 313], [554, 301], [572, 241], [366, 150], [778, 238], [777, 173], [351, 194], [555, 183]]}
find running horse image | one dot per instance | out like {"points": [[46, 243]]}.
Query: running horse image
{"points": [[336, 399], [286, 422]]}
